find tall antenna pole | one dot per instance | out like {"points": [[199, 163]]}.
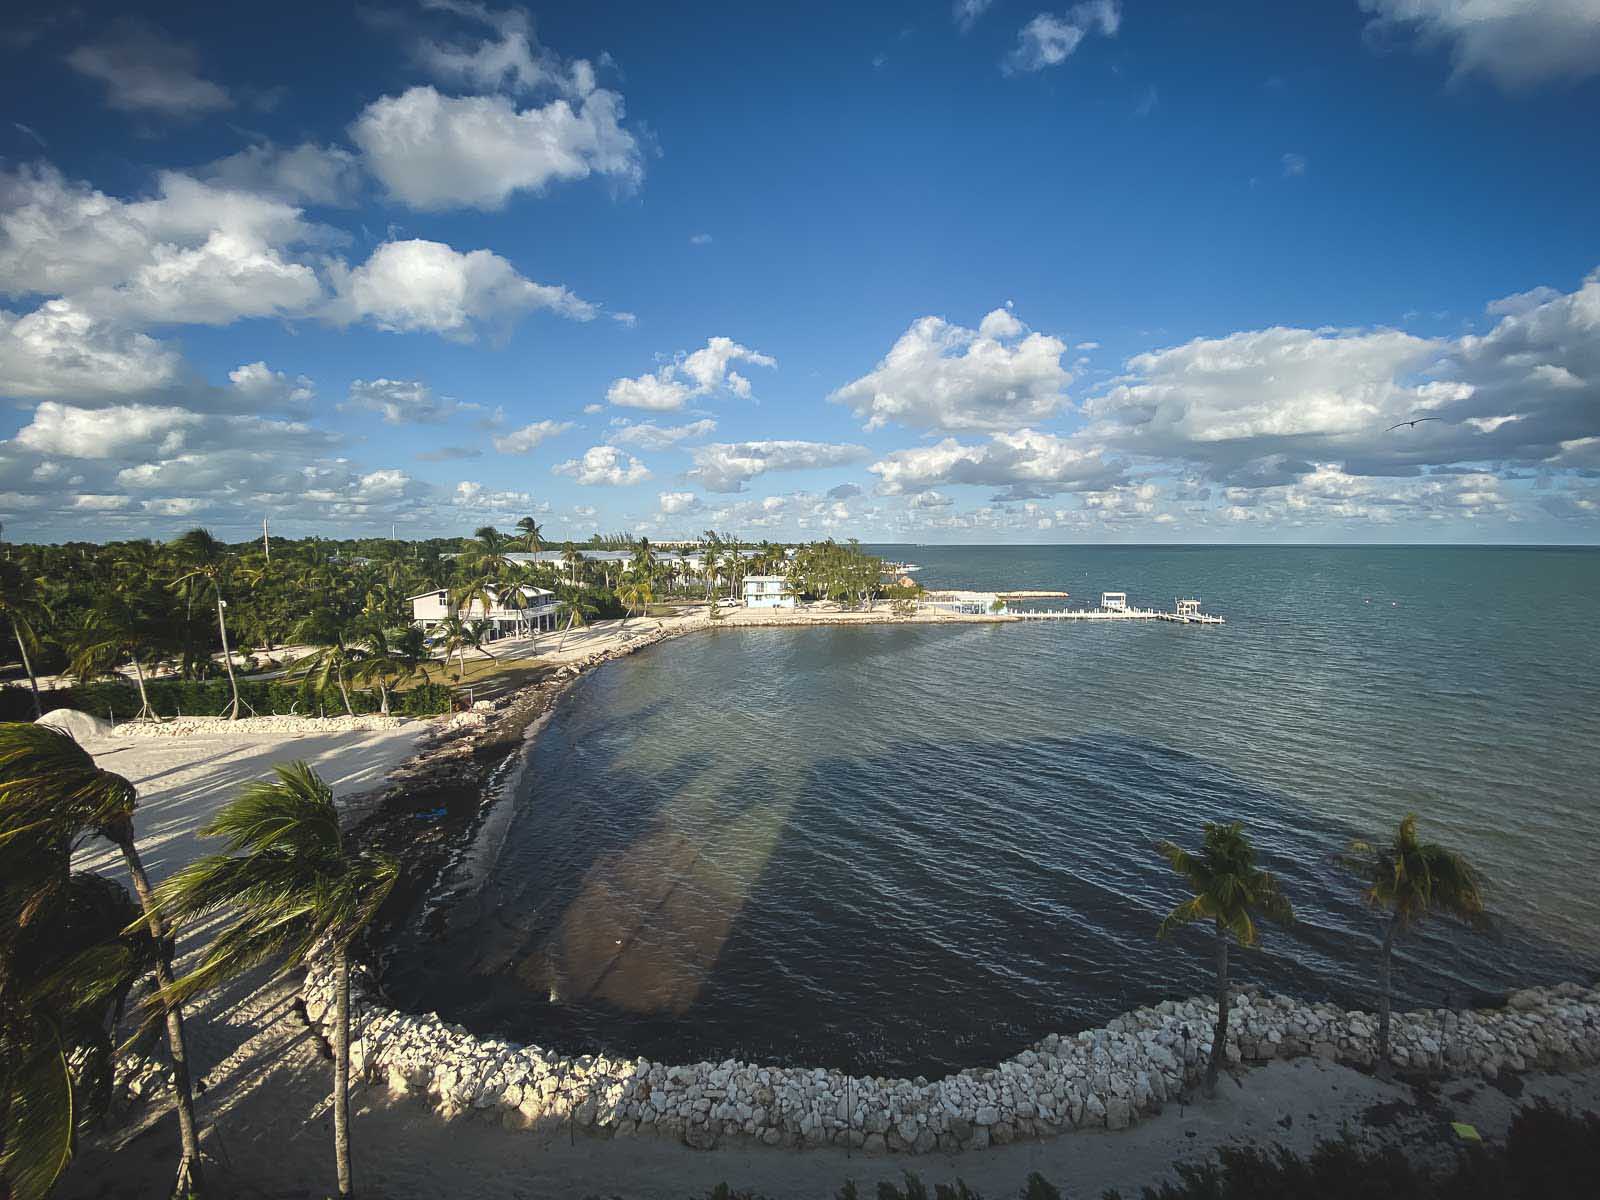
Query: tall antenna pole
{"points": [[266, 542]]}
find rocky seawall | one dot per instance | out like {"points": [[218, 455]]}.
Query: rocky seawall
{"points": [[1104, 1078]]}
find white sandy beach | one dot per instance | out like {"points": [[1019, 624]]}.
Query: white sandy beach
{"points": [[182, 780]]}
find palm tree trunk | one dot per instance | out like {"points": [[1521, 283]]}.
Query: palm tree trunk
{"points": [[1219, 1038], [189, 1171], [144, 697], [341, 1071], [1383, 991], [27, 666], [383, 697], [227, 659], [344, 693]]}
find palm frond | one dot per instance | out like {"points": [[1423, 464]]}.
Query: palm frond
{"points": [[41, 1120], [1227, 885], [47, 777], [1191, 910]]}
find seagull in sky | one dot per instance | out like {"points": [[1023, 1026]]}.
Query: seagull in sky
{"points": [[1413, 424]]}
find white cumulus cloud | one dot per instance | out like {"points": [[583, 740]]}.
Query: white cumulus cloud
{"points": [[699, 373], [1026, 464], [435, 152], [943, 376], [427, 286], [604, 466], [675, 503]]}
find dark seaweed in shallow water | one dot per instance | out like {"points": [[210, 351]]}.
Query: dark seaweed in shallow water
{"points": [[904, 850]]}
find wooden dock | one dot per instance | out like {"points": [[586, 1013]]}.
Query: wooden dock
{"points": [[1127, 614]]}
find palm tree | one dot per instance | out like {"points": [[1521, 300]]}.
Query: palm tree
{"points": [[389, 657], [572, 557], [209, 564], [486, 553], [112, 632], [532, 535], [636, 593], [334, 662], [579, 608], [1228, 891], [1407, 879], [289, 887], [644, 558], [20, 604], [455, 636], [50, 787], [710, 564]]}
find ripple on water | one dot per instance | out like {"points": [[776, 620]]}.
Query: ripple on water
{"points": [[908, 850]]}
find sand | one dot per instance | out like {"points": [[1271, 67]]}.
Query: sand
{"points": [[183, 780]]}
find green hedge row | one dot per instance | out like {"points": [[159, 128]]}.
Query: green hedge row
{"points": [[209, 698]]}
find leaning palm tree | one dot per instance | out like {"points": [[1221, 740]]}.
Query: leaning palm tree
{"points": [[1228, 891], [1406, 880], [577, 608], [51, 787], [207, 564], [288, 887]]}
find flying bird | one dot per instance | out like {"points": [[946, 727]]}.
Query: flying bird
{"points": [[1413, 424]]}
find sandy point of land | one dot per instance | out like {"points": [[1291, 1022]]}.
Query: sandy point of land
{"points": [[605, 636]]}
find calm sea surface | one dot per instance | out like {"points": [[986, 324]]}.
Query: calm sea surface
{"points": [[910, 849]]}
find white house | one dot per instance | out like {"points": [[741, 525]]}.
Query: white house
{"points": [[1188, 608], [767, 591], [536, 612], [1114, 601]]}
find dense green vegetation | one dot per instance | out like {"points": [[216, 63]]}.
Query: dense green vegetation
{"points": [[153, 618]]}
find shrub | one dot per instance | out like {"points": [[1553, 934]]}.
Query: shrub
{"points": [[1548, 1155], [210, 697]]}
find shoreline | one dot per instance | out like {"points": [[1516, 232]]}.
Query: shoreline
{"points": [[265, 1116], [1108, 1078], [701, 1104]]}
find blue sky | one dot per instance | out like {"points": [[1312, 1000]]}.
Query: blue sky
{"points": [[905, 271]]}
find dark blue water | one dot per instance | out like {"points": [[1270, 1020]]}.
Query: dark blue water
{"points": [[907, 849]]}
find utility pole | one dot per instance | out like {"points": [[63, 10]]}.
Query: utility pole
{"points": [[266, 542]]}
